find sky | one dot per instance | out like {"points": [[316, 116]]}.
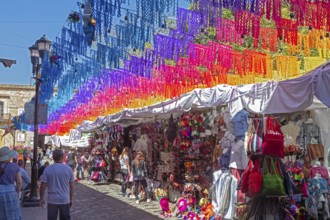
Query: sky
{"points": [[22, 22]]}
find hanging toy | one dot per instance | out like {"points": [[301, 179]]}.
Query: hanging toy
{"points": [[74, 17], [89, 23]]}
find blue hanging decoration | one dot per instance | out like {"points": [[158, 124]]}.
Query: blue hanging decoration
{"points": [[89, 23]]}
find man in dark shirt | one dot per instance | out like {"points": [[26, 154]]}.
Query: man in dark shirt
{"points": [[42, 168]]}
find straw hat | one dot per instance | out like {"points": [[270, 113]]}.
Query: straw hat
{"points": [[6, 153]]}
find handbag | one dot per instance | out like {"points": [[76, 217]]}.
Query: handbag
{"points": [[244, 183], [96, 176], [273, 142], [255, 140], [272, 182], [255, 180]]}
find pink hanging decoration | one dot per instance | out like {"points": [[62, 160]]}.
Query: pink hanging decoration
{"points": [[226, 32], [256, 29], [246, 21], [272, 9], [202, 56], [243, 22], [223, 54]]}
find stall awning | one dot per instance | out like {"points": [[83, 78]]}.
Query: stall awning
{"points": [[305, 92]]}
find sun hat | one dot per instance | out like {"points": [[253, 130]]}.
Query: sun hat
{"points": [[6, 153], [164, 204]]}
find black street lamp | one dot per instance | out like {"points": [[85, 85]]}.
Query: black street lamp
{"points": [[38, 50]]}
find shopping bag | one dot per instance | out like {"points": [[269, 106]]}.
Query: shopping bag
{"points": [[255, 180], [272, 182], [245, 177], [273, 141], [255, 139]]}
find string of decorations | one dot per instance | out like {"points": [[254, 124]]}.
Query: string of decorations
{"points": [[148, 78]]}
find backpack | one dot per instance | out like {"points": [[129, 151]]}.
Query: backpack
{"points": [[2, 170]]}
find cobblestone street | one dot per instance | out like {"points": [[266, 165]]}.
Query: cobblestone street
{"points": [[103, 203], [100, 202]]}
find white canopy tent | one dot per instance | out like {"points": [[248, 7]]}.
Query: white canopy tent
{"points": [[308, 92]]}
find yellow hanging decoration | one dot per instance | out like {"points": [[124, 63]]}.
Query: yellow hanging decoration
{"points": [[313, 62]]}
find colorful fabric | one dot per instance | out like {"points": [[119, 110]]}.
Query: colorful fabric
{"points": [[309, 134], [9, 203], [316, 188], [241, 124]]}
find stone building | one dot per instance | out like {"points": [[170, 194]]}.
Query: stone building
{"points": [[12, 101]]}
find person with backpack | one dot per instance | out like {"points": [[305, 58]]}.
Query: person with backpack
{"points": [[10, 186]]}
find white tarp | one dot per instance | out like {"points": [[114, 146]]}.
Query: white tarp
{"points": [[307, 92]]}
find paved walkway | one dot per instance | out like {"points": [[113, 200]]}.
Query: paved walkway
{"points": [[100, 202], [99, 205]]}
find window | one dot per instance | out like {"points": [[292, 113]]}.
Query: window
{"points": [[2, 105]]}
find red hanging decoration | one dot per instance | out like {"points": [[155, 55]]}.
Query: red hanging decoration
{"points": [[288, 31], [268, 39]]}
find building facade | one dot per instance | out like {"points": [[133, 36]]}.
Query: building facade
{"points": [[12, 101]]}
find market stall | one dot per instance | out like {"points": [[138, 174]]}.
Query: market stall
{"points": [[218, 137]]}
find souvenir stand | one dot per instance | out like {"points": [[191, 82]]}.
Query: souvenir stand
{"points": [[267, 158]]}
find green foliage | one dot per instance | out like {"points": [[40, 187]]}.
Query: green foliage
{"points": [[210, 34], [170, 62], [227, 14]]}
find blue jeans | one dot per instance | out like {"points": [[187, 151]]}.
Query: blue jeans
{"points": [[80, 170], [54, 209]]}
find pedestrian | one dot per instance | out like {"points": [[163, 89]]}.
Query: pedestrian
{"points": [[9, 176], [47, 152], [139, 170], [42, 169], [59, 179], [72, 159], [124, 169], [31, 158], [40, 157], [81, 166], [91, 163], [25, 155], [50, 155], [26, 179]]}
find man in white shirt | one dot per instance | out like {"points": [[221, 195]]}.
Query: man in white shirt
{"points": [[59, 179]]}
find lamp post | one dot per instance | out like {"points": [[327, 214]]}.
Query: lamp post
{"points": [[38, 50]]}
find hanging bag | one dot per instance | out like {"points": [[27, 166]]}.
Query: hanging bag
{"points": [[273, 142], [245, 178], [255, 180], [272, 182], [255, 139]]}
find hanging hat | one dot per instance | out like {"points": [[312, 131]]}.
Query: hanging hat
{"points": [[6, 153], [182, 205], [164, 204]]}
